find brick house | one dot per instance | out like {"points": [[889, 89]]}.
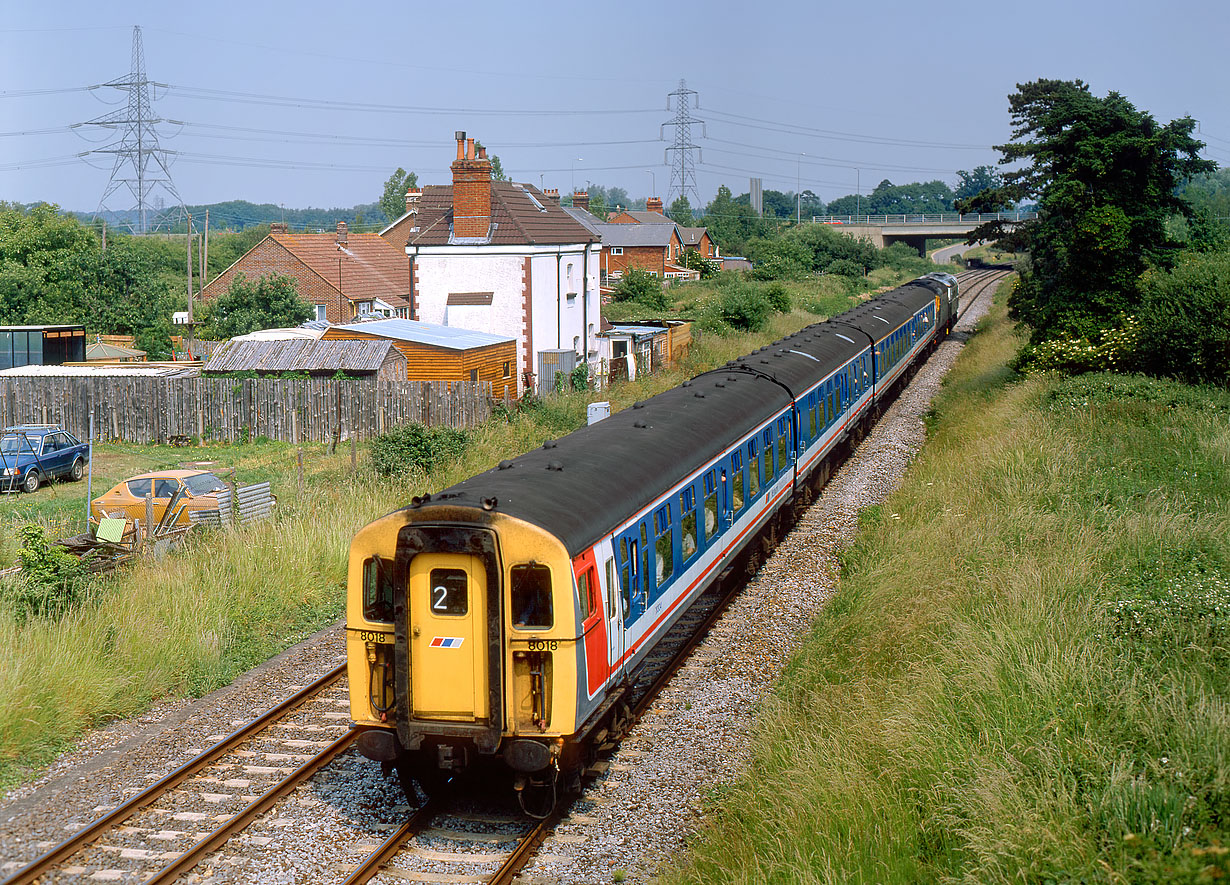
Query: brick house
{"points": [[501, 258], [343, 275], [695, 238]]}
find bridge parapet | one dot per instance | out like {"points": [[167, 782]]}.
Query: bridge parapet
{"points": [[972, 219], [915, 230]]}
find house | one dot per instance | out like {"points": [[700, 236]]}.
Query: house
{"points": [[653, 213], [441, 353], [694, 238], [503, 259], [376, 359], [343, 275], [653, 248]]}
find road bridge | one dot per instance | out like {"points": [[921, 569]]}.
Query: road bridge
{"points": [[915, 230]]}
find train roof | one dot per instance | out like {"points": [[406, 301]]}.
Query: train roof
{"points": [[583, 485]]}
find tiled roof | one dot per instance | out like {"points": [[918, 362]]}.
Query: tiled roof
{"points": [[521, 215], [643, 217], [370, 267], [299, 355], [691, 235], [637, 234], [426, 333]]}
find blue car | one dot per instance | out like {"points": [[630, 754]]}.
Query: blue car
{"points": [[33, 453]]}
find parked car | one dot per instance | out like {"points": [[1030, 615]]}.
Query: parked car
{"points": [[33, 453], [197, 490]]}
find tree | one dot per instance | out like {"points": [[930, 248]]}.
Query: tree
{"points": [[1105, 177], [271, 302], [497, 168], [1185, 319], [681, 211], [393, 203], [981, 179]]}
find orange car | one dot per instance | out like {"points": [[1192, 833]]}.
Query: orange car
{"points": [[197, 490]]}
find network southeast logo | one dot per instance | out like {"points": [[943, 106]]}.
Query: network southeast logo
{"points": [[447, 642]]}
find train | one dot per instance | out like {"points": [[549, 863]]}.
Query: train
{"points": [[504, 619]]}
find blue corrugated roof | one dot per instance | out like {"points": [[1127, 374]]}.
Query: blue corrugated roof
{"points": [[428, 333]]}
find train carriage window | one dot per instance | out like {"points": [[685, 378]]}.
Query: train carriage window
{"points": [[531, 597], [610, 588], [664, 547], [783, 442], [687, 524], [711, 505], [378, 590], [736, 482], [587, 594], [753, 469], [450, 593], [767, 462], [811, 413]]}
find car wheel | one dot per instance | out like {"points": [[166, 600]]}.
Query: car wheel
{"points": [[30, 483], [77, 471]]}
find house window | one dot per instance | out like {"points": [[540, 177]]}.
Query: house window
{"points": [[507, 368], [617, 250], [320, 312], [474, 376]]}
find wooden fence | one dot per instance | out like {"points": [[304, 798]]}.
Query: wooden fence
{"points": [[144, 410]]}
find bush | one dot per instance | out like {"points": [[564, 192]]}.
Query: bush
{"points": [[51, 580], [845, 267], [1185, 320], [778, 297], [643, 288], [738, 305], [1114, 351], [415, 446]]}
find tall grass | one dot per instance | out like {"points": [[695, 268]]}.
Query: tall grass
{"points": [[1025, 677], [195, 619]]}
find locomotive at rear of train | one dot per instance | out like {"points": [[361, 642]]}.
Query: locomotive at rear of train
{"points": [[504, 618]]}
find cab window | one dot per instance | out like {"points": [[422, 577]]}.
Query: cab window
{"points": [[531, 597], [377, 590], [587, 592]]}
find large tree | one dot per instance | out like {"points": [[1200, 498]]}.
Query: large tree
{"points": [[272, 301], [1105, 178], [393, 202]]}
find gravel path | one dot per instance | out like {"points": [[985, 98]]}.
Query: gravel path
{"points": [[632, 819]]}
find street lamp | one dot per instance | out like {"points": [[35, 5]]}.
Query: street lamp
{"points": [[858, 189], [653, 183], [575, 160], [798, 189]]}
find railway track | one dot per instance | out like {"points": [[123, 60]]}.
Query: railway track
{"points": [[155, 837]]}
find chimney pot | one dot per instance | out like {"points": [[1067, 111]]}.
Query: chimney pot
{"points": [[654, 204], [469, 149], [461, 144], [341, 233], [277, 227], [552, 194], [413, 195], [580, 199], [482, 153]]}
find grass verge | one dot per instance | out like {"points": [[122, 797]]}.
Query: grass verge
{"points": [[1024, 677]]}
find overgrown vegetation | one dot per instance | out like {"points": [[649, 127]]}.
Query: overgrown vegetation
{"points": [[417, 447], [1023, 674], [50, 583]]}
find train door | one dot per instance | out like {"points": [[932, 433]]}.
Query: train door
{"points": [[614, 618], [448, 641]]}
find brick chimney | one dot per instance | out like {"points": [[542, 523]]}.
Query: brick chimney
{"points": [[412, 198], [580, 199], [552, 194], [341, 234], [654, 204], [471, 190], [277, 227]]}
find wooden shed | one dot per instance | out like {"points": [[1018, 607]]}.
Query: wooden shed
{"points": [[352, 358], [442, 353]]}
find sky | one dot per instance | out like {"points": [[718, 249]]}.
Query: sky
{"points": [[314, 104]]}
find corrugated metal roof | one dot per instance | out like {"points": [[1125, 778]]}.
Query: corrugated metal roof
{"points": [[299, 355], [428, 333]]}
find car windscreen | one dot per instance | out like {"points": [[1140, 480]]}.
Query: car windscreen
{"points": [[204, 483], [12, 444]]}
